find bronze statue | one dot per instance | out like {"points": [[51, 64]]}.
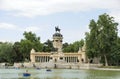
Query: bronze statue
{"points": [[57, 29]]}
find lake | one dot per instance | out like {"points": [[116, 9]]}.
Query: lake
{"points": [[59, 74]]}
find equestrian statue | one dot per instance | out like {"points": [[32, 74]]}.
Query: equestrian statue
{"points": [[57, 29]]}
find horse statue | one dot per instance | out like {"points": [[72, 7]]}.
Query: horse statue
{"points": [[57, 29]]}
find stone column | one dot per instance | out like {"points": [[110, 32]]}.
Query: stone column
{"points": [[74, 59], [38, 59], [41, 58], [48, 58], [32, 58], [45, 58], [70, 58]]}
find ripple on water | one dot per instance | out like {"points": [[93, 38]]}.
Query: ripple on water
{"points": [[59, 74]]}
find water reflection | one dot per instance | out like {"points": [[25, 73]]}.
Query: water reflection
{"points": [[59, 74], [102, 74]]}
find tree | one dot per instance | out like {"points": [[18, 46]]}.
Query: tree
{"points": [[6, 52], [17, 50], [74, 47], [102, 37], [48, 46], [114, 58], [92, 44], [30, 41], [107, 36], [33, 39], [77, 45]]}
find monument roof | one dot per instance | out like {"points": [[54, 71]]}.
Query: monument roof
{"points": [[57, 35]]}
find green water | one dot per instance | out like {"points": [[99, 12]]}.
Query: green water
{"points": [[59, 74]]}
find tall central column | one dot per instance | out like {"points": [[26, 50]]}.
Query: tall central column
{"points": [[57, 40]]}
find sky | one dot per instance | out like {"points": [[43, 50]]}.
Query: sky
{"points": [[41, 17]]}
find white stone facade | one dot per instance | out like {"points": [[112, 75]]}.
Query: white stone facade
{"points": [[58, 59]]}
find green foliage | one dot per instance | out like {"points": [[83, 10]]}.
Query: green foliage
{"points": [[17, 50], [30, 41], [91, 40], [73, 47], [6, 52], [102, 37], [114, 58], [32, 38], [48, 46]]}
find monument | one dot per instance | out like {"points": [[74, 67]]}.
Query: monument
{"points": [[59, 59], [56, 58]]}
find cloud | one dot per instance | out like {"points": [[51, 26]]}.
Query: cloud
{"points": [[12, 32], [7, 26], [116, 14], [32, 28], [32, 8]]}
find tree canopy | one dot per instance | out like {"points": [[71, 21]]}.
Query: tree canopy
{"points": [[102, 37], [6, 52], [74, 47], [30, 41], [48, 46]]}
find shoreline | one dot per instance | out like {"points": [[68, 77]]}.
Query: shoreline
{"points": [[111, 69], [95, 68]]}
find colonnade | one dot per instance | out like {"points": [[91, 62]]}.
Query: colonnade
{"points": [[73, 59], [68, 59], [42, 59]]}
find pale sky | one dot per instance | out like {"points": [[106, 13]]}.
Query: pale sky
{"points": [[41, 17]]}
